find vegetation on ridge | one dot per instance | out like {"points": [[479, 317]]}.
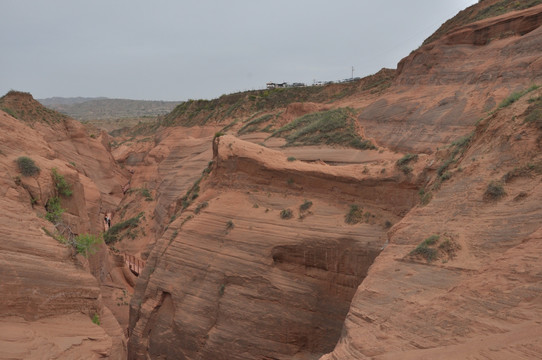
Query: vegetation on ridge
{"points": [[238, 105], [332, 127], [22, 106]]}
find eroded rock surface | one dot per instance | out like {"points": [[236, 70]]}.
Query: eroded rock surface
{"points": [[48, 293], [444, 87], [483, 298], [236, 280]]}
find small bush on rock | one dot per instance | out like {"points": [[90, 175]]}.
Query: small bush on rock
{"points": [[27, 166]]}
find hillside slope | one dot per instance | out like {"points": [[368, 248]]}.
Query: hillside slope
{"points": [[106, 109], [478, 292], [443, 88], [49, 293]]}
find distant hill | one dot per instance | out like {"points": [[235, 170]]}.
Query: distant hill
{"points": [[52, 101], [85, 109]]}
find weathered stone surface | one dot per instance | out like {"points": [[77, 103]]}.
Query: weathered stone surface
{"points": [[444, 87], [235, 280], [48, 294], [484, 302]]}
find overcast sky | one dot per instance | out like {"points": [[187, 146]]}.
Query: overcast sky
{"points": [[191, 49]]}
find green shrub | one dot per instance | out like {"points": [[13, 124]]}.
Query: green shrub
{"points": [[354, 216], [146, 193], [446, 176], [291, 158], [27, 166], [201, 206], [113, 234], [405, 169], [494, 191], [96, 319], [54, 210], [406, 159], [286, 214], [230, 225], [305, 206], [425, 251], [86, 244], [62, 186]]}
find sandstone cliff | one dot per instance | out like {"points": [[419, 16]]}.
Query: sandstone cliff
{"points": [[233, 277], [480, 298], [444, 87], [48, 293]]}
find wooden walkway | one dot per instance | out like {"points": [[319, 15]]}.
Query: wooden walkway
{"points": [[135, 264]]}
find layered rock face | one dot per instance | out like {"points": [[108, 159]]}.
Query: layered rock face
{"points": [[48, 294], [444, 87], [233, 277], [481, 295]]}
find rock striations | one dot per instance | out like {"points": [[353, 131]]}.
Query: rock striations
{"points": [[48, 297], [235, 276], [425, 247]]}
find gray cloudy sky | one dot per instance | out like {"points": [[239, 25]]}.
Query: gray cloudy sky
{"points": [[176, 50]]}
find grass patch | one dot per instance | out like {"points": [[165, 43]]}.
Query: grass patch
{"points": [[354, 215], [523, 171], [143, 191], [407, 159], [146, 193], [516, 96], [403, 162], [193, 193], [286, 214], [425, 251], [332, 127], [305, 206], [114, 233], [425, 197], [253, 125], [200, 207], [27, 166], [494, 191], [458, 148]]}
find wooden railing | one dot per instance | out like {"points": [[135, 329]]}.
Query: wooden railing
{"points": [[135, 264]]}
